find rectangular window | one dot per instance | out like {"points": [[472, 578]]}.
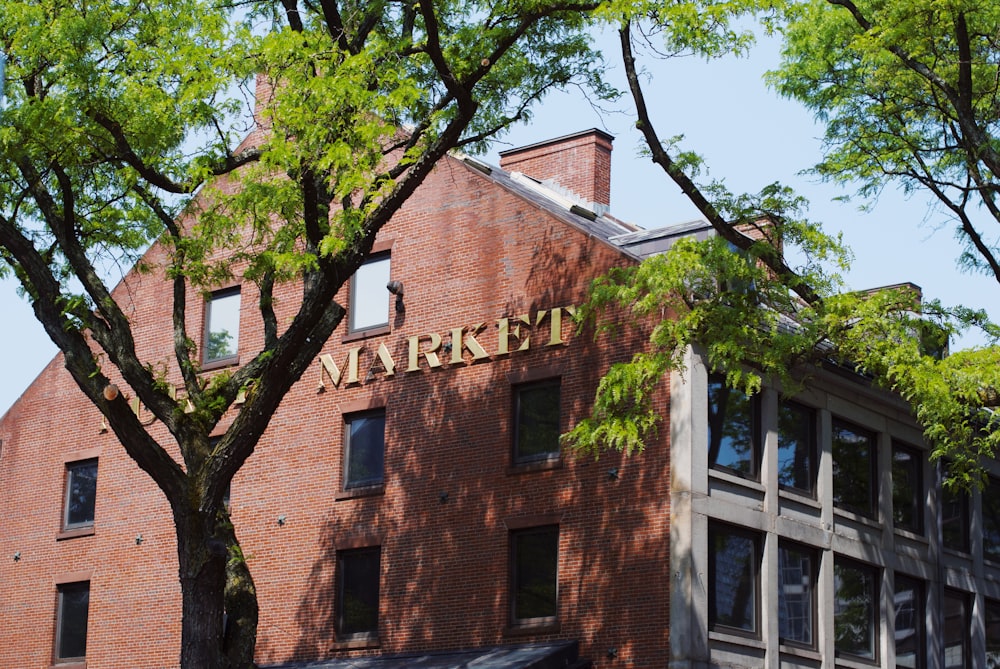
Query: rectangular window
{"points": [[369, 296], [907, 489], [854, 461], [909, 607], [991, 520], [955, 516], [73, 609], [222, 326], [797, 569], [855, 609], [796, 447], [992, 633], [957, 630], [81, 494], [733, 429], [534, 564], [364, 449], [358, 575], [536, 427], [734, 579]]}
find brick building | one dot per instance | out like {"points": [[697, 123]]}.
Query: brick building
{"points": [[409, 505]]}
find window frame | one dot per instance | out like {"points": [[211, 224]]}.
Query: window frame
{"points": [[516, 429], [813, 605], [515, 586], [714, 529], [962, 543], [991, 492], [356, 285], [343, 556], [919, 589], [812, 447], [991, 617], [225, 360], [756, 436], [61, 621], [69, 477], [872, 469], [371, 483], [918, 493], [874, 630]]}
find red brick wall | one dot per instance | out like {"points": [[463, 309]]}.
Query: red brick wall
{"points": [[580, 163], [468, 253]]}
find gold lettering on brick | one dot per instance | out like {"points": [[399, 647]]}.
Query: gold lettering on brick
{"points": [[385, 358], [506, 331], [465, 338], [330, 367], [430, 354]]}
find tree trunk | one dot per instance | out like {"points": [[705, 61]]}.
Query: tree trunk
{"points": [[202, 570]]}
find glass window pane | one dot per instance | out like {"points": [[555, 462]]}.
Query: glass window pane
{"points": [[223, 326], [537, 429], [954, 516], [81, 493], [732, 429], [854, 609], [992, 634], [74, 609], [365, 449], [907, 489], [369, 296], [359, 573], [796, 446], [734, 571], [535, 562], [853, 469], [909, 607], [956, 630], [796, 594], [991, 520]]}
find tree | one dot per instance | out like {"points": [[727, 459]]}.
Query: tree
{"points": [[119, 129], [758, 315]]}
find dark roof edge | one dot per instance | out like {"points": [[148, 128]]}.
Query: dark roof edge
{"points": [[556, 140]]}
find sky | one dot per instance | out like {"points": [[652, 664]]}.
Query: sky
{"points": [[748, 136]]}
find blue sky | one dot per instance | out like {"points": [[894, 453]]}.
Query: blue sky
{"points": [[749, 138]]}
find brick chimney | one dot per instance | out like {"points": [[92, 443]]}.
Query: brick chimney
{"points": [[579, 163]]}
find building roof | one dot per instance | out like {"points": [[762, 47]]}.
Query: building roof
{"points": [[556, 655]]}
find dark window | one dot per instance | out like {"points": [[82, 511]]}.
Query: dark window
{"points": [[957, 630], [796, 447], [364, 449], [734, 579], [910, 613], [954, 516], [797, 569], [536, 430], [81, 494], [369, 295], [222, 326], [907, 489], [854, 458], [991, 520], [992, 634], [855, 609], [733, 429], [534, 574], [358, 575], [71, 621]]}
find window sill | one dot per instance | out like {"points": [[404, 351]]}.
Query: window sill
{"points": [[799, 496], [911, 535], [361, 491], [855, 661], [735, 479], [734, 637], [800, 652], [72, 534], [69, 664], [548, 464], [231, 361], [368, 641], [365, 334], [525, 629], [854, 516]]}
